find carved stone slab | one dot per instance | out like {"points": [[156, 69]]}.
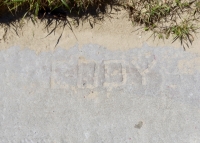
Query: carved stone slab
{"points": [[91, 95]]}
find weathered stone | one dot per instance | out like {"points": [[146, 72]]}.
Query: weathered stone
{"points": [[95, 95]]}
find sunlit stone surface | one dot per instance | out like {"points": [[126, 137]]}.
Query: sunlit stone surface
{"points": [[93, 95]]}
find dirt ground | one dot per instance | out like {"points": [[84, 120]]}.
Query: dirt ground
{"points": [[115, 32]]}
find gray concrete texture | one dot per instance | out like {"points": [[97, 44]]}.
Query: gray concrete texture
{"points": [[93, 95]]}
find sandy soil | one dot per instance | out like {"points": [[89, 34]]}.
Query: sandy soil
{"points": [[115, 32]]}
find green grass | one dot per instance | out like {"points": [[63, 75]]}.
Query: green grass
{"points": [[165, 18], [176, 18], [72, 6]]}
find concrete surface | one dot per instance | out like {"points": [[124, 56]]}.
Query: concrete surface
{"points": [[93, 95]]}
